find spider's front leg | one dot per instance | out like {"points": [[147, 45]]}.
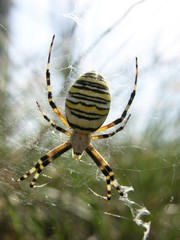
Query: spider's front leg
{"points": [[44, 161], [106, 170], [123, 115], [60, 129], [48, 81]]}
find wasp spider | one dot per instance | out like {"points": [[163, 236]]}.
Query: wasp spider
{"points": [[86, 107]]}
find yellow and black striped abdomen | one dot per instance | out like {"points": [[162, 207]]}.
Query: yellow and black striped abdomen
{"points": [[88, 103]]}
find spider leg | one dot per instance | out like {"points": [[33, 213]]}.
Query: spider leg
{"points": [[50, 98], [123, 115], [112, 133], [44, 161], [106, 170], [51, 122]]}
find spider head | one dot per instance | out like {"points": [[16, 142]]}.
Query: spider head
{"points": [[76, 156], [79, 143]]}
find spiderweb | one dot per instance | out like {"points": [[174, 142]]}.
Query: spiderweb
{"points": [[144, 157]]}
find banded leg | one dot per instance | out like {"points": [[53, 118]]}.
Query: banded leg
{"points": [[106, 170], [123, 115], [44, 161], [111, 133], [50, 99], [52, 123]]}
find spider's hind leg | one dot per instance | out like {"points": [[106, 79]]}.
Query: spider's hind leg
{"points": [[106, 170], [44, 161], [41, 163]]}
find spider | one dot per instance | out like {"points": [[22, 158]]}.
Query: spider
{"points": [[86, 108]]}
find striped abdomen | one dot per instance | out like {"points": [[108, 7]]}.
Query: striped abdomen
{"points": [[88, 103]]}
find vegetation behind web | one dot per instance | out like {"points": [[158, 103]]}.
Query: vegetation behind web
{"points": [[66, 209]]}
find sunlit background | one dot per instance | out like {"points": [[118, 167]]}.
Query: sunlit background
{"points": [[105, 36]]}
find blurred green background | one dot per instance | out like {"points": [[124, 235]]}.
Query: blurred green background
{"points": [[145, 155]]}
